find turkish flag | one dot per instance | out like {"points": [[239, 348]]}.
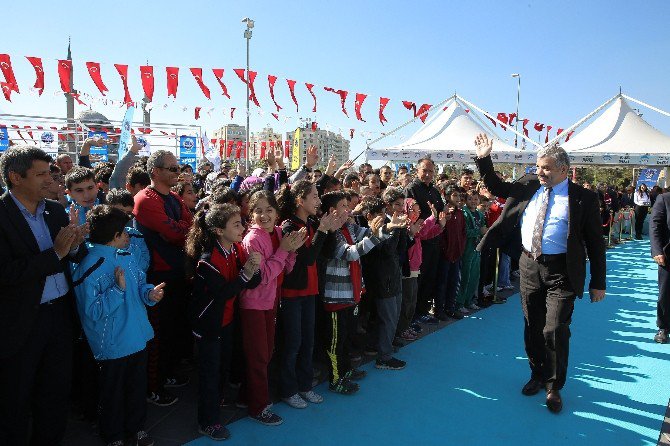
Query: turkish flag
{"points": [[229, 149], [197, 113], [525, 130], [309, 88], [351, 133], [197, 74], [287, 148], [315, 125], [147, 74], [559, 131], [360, 98], [232, 112], [123, 72], [275, 115], [569, 135], [272, 146], [409, 105], [538, 126], [94, 71], [271, 82], [218, 74], [250, 82], [546, 138], [493, 121], [512, 117], [36, 62], [264, 148], [238, 151], [383, 102], [65, 74], [172, 81], [423, 112], [8, 71], [6, 90], [343, 97], [291, 88]]}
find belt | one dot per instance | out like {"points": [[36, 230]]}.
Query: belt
{"points": [[543, 258]]}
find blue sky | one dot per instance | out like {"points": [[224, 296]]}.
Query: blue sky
{"points": [[572, 55]]}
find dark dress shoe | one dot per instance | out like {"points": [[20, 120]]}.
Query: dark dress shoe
{"points": [[662, 336], [532, 387], [554, 401]]}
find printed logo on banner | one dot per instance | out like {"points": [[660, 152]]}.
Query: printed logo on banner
{"points": [[47, 138], [145, 146], [188, 160], [607, 158], [48, 143], [187, 146], [531, 170], [644, 159]]}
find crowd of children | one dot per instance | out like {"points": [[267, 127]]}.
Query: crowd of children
{"points": [[233, 271]]}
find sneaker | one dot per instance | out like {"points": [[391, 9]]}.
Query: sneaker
{"points": [[473, 306], [161, 399], [177, 381], [295, 401], [141, 439], [355, 374], [215, 432], [311, 397], [487, 293], [269, 418], [343, 386], [464, 310], [413, 332], [428, 319], [390, 364], [408, 335]]}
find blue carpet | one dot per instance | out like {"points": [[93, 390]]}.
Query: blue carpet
{"points": [[462, 384]]}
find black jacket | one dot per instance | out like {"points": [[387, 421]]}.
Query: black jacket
{"points": [[306, 255], [423, 194], [381, 266], [24, 269], [584, 227], [659, 226]]}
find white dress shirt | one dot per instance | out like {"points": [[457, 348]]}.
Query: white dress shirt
{"points": [[555, 234]]}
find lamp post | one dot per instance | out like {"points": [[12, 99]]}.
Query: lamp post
{"points": [[518, 96], [247, 35]]}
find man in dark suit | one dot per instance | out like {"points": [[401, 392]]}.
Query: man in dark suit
{"points": [[659, 234], [36, 241], [547, 219]]}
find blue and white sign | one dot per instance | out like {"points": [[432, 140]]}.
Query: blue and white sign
{"points": [[99, 153], [49, 143], [4, 139], [188, 160], [125, 141], [145, 149], [531, 170], [648, 177], [187, 146]]}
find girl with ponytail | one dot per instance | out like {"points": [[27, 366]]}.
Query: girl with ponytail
{"points": [[298, 207], [222, 269]]}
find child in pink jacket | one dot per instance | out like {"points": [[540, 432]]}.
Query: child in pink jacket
{"points": [[419, 230], [258, 306]]}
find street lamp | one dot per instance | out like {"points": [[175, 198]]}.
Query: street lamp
{"points": [[518, 95], [247, 35]]}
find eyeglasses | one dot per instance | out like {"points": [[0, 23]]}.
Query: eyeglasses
{"points": [[173, 169]]}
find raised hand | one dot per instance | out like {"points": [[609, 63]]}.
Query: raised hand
{"points": [[74, 215], [376, 224], [157, 293], [311, 157], [252, 264], [332, 165], [64, 240], [433, 210], [343, 168], [120, 278], [241, 169], [483, 145], [327, 222], [279, 156], [270, 158], [442, 220], [397, 221], [415, 227]]}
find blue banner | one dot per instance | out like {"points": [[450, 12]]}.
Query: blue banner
{"points": [[4, 139], [531, 169], [124, 140], [190, 160], [648, 177], [99, 153], [187, 146]]}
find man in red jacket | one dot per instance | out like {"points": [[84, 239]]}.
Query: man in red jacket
{"points": [[164, 220]]}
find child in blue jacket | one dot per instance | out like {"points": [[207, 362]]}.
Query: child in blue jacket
{"points": [[112, 295]]}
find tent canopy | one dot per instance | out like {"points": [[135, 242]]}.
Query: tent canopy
{"points": [[619, 136], [449, 136]]}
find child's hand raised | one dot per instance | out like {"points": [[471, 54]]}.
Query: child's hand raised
{"points": [[376, 224], [120, 277], [252, 264], [397, 221], [157, 293]]}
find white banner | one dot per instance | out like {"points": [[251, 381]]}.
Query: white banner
{"points": [[48, 141], [124, 139]]}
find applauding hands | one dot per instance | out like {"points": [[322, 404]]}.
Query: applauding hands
{"points": [[294, 240]]}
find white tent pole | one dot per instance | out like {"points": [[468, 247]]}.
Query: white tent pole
{"points": [[471, 105], [647, 105], [410, 121], [581, 121]]}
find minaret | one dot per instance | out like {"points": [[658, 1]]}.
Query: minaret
{"points": [[71, 125]]}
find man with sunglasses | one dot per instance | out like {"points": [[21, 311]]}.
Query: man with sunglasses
{"points": [[163, 219]]}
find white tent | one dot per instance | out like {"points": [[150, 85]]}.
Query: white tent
{"points": [[448, 137], [619, 136]]}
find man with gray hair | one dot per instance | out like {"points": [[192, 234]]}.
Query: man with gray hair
{"points": [[547, 220]]}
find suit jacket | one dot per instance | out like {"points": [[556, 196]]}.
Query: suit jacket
{"points": [[659, 226], [24, 269], [584, 227]]}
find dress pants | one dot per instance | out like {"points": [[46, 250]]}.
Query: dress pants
{"points": [[663, 306], [640, 215], [214, 355], [388, 310], [548, 300], [123, 404], [37, 380]]}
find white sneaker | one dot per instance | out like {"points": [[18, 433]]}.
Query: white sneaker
{"points": [[464, 310], [295, 401], [473, 307], [311, 397]]}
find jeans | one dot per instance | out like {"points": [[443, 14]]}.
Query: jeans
{"points": [[448, 281], [503, 270]]}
